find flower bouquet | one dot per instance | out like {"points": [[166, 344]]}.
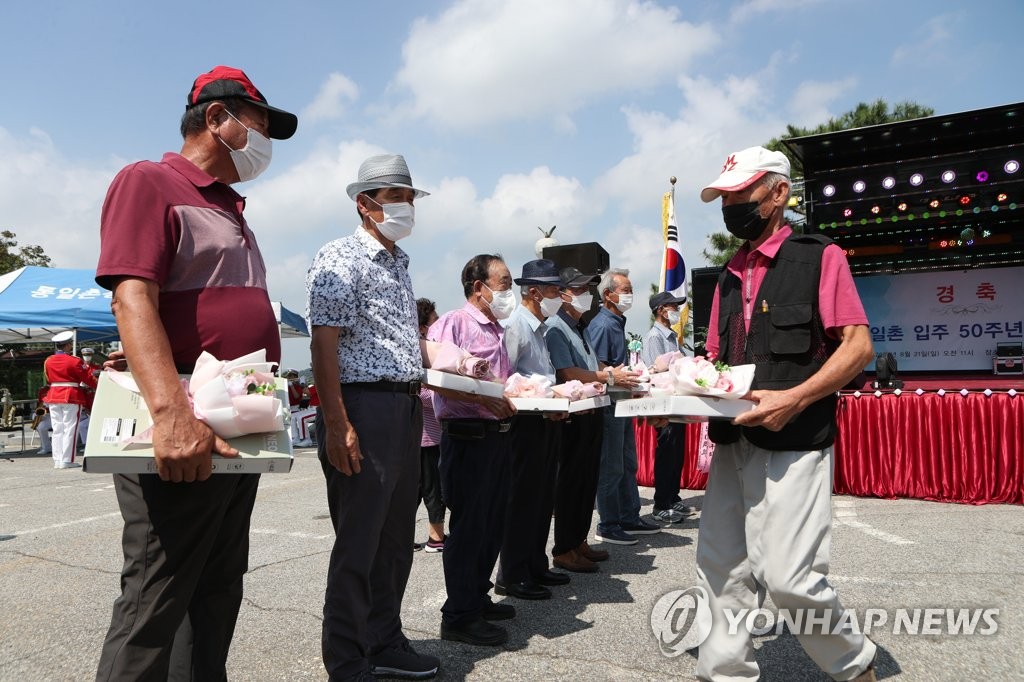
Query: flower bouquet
{"points": [[578, 390], [633, 347], [698, 376], [532, 386], [234, 398], [447, 357], [449, 366], [241, 401]]}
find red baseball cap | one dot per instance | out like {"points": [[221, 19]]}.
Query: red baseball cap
{"points": [[224, 81]]}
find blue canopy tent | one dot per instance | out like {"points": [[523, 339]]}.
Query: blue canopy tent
{"points": [[36, 303]]}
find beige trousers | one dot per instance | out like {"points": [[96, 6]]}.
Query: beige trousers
{"points": [[766, 526]]}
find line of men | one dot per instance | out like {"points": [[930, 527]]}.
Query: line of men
{"points": [[187, 276]]}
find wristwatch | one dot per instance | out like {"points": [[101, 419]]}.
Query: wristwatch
{"points": [[611, 378]]}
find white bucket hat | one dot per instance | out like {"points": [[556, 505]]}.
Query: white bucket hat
{"points": [[743, 168], [63, 337], [386, 170]]}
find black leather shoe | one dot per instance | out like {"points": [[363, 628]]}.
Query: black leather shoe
{"points": [[494, 611], [478, 632], [523, 590], [551, 578]]}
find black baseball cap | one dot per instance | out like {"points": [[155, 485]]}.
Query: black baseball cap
{"points": [[571, 277], [665, 298]]}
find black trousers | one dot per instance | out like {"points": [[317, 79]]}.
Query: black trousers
{"points": [[430, 482], [374, 515], [186, 548], [668, 465], [579, 464], [474, 484], [531, 497]]}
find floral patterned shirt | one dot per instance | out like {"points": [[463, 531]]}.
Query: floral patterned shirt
{"points": [[357, 285]]}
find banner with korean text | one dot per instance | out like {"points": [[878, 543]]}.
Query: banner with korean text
{"points": [[944, 321]]}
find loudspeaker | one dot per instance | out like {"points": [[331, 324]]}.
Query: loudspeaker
{"points": [[589, 258], [703, 281]]}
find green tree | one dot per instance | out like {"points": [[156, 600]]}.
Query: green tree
{"points": [[722, 245], [13, 256]]}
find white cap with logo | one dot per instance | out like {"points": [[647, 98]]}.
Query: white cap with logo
{"points": [[743, 168]]}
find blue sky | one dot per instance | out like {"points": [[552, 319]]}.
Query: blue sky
{"points": [[515, 114]]}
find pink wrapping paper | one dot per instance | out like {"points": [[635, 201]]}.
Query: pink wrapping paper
{"points": [[447, 357]]}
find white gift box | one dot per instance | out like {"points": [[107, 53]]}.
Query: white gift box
{"points": [[119, 414], [589, 403], [541, 404], [457, 382], [686, 408]]}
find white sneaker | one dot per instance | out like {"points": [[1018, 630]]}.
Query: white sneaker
{"points": [[67, 465]]}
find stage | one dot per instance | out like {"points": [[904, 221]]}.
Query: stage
{"points": [[945, 438]]}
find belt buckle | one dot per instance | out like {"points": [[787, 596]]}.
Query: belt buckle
{"points": [[503, 427], [414, 387]]}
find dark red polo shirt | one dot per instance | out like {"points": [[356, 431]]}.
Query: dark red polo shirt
{"points": [[173, 224]]}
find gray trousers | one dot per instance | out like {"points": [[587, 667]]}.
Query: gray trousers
{"points": [[186, 548], [374, 516], [766, 525]]}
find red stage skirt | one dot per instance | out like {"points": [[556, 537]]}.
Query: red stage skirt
{"points": [[950, 448]]}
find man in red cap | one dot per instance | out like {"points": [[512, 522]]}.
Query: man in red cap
{"points": [[65, 374], [785, 303], [187, 277]]}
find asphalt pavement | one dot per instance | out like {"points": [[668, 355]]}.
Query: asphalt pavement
{"points": [[60, 560]]}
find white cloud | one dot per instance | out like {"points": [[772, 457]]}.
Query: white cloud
{"points": [[483, 62], [810, 100], [753, 8], [50, 200], [335, 94]]}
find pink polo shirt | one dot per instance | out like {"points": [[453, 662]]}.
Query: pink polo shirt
{"points": [[838, 301], [475, 333]]}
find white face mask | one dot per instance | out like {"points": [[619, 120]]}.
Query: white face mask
{"points": [[254, 157], [399, 219], [502, 303], [549, 307], [582, 302], [673, 318], [625, 302]]}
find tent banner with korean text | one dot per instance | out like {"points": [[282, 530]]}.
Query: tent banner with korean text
{"points": [[944, 321]]}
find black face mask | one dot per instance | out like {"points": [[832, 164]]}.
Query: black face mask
{"points": [[744, 220]]}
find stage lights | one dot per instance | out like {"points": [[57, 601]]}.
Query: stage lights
{"points": [[901, 207], [860, 186], [1011, 166], [847, 212], [916, 179], [982, 176], [934, 203], [1001, 198], [888, 182], [829, 190], [876, 209], [965, 200], [948, 176]]}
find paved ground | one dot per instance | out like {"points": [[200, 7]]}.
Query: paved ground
{"points": [[60, 562]]}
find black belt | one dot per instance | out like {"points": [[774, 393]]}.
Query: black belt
{"points": [[485, 424], [406, 387]]}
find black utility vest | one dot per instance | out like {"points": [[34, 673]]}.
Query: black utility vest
{"points": [[786, 342]]}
